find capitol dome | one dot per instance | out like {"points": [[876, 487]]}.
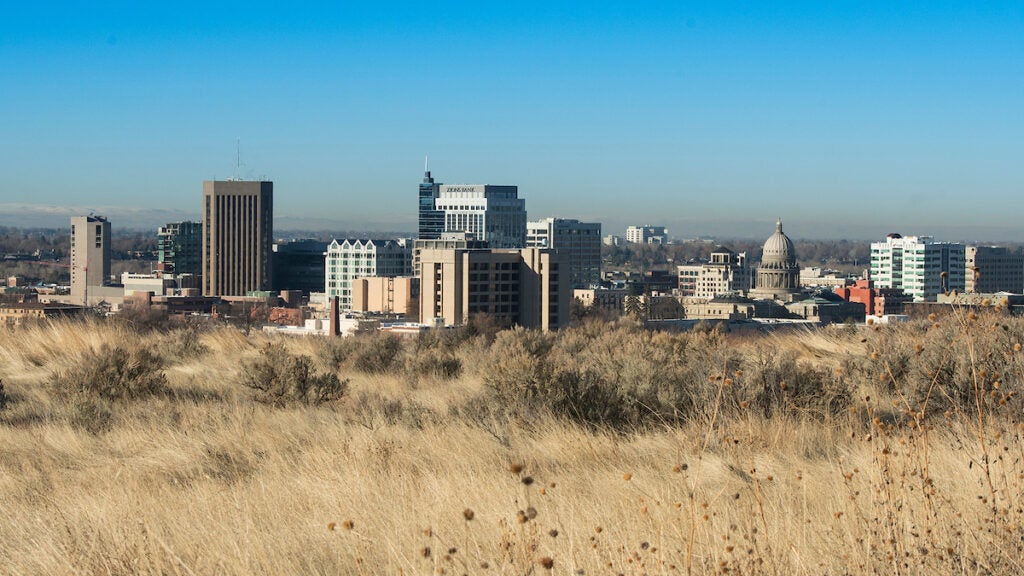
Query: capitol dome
{"points": [[778, 250], [778, 275]]}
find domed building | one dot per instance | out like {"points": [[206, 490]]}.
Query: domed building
{"points": [[778, 275]]}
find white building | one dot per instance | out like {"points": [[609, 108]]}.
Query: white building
{"points": [[920, 266], [647, 234], [726, 274], [355, 258], [580, 241], [495, 214]]}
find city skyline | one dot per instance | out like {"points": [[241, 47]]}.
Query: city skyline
{"points": [[848, 121]]}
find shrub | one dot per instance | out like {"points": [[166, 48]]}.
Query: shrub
{"points": [[378, 354], [3, 396], [281, 378], [114, 374]]}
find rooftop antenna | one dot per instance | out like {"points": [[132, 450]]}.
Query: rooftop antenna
{"points": [[238, 159], [426, 164]]}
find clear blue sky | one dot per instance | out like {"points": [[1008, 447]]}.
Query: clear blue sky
{"points": [[706, 117]]}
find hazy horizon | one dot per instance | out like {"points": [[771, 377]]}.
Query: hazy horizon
{"points": [[847, 120]]}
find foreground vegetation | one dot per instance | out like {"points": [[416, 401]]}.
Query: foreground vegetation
{"points": [[603, 449]]}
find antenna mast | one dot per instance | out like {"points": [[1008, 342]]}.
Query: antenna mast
{"points": [[238, 158]]}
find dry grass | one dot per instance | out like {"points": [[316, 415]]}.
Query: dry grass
{"points": [[418, 473]]}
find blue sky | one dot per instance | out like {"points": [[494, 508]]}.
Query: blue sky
{"points": [[847, 119]]}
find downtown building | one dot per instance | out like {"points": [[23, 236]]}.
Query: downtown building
{"points": [[527, 287], [580, 241], [352, 258], [90, 256], [237, 237], [991, 269], [726, 274], [647, 234], [920, 266]]}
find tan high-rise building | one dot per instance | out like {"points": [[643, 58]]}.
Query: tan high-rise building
{"points": [[238, 233], [90, 255], [530, 287]]}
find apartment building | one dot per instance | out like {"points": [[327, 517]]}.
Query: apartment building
{"points": [[353, 258], [920, 266]]}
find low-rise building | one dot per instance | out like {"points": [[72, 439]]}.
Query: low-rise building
{"points": [[876, 301], [352, 258], [17, 314], [647, 234], [386, 295]]}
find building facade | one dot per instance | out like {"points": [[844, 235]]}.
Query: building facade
{"points": [[495, 214], [300, 265], [646, 234], [778, 274], [527, 287], [238, 233], [180, 248], [726, 274], [580, 241], [990, 269], [353, 258], [90, 256], [386, 295], [920, 266]]}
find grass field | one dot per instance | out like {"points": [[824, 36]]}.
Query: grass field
{"points": [[603, 449]]}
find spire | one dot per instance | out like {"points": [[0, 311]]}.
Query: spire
{"points": [[778, 226], [426, 166]]}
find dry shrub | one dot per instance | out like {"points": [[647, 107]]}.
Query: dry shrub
{"points": [[281, 378], [114, 373]]}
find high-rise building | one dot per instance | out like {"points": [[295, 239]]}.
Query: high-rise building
{"points": [[90, 255], [180, 248], [238, 231], [353, 258], [920, 266], [580, 241], [495, 214], [431, 220], [646, 234], [726, 274], [991, 269], [526, 287]]}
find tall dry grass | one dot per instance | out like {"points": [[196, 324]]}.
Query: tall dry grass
{"points": [[604, 449]]}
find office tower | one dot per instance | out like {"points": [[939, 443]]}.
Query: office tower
{"points": [[238, 231], [491, 213], [991, 269], [349, 259], [580, 241], [90, 255], [646, 234], [431, 221], [525, 287], [920, 266], [180, 249]]}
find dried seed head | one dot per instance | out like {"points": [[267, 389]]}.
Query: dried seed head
{"points": [[331, 526], [515, 468], [627, 476], [531, 512], [425, 551], [546, 562], [467, 514], [553, 533], [528, 480], [348, 525]]}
